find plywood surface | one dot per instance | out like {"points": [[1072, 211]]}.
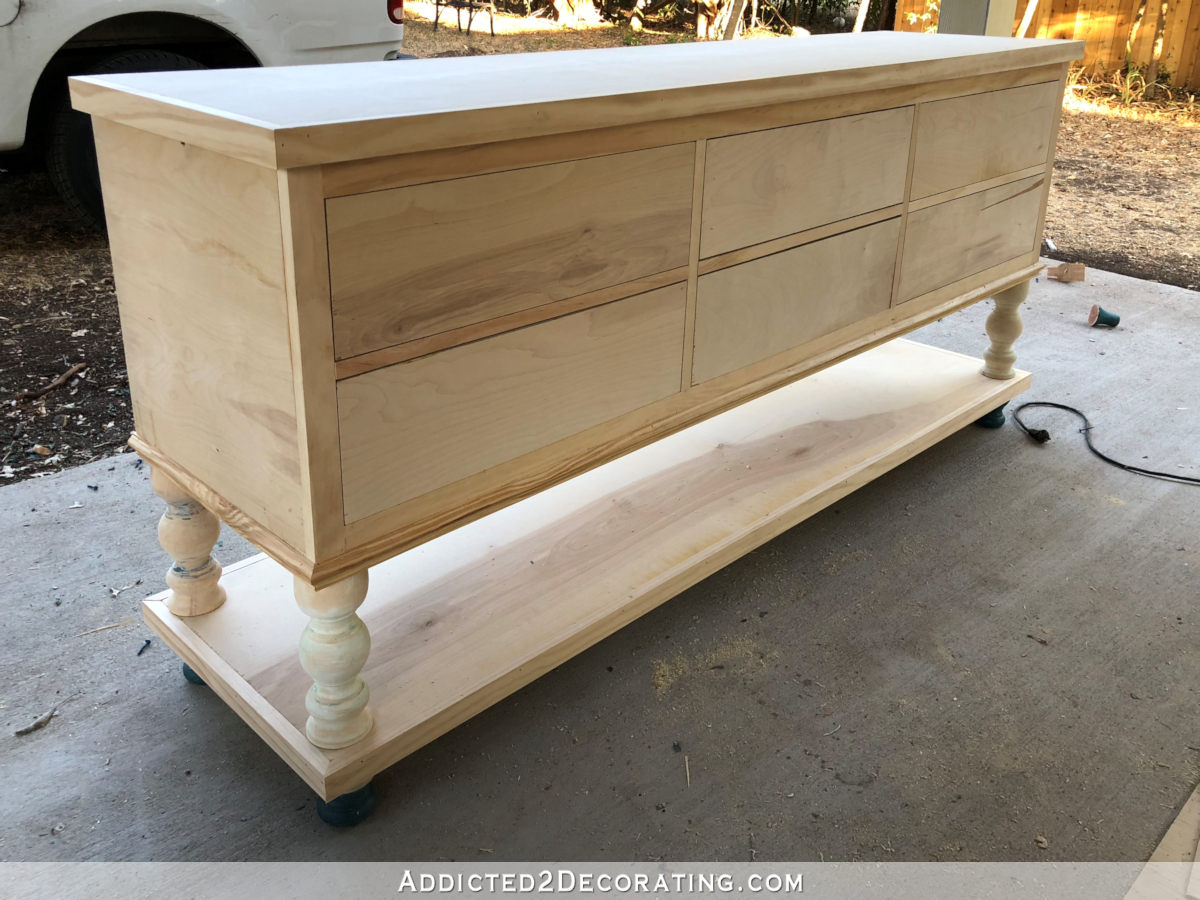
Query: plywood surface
{"points": [[416, 261], [417, 426], [983, 136], [946, 242], [196, 249], [309, 115], [751, 311], [1172, 872], [469, 617], [767, 184]]}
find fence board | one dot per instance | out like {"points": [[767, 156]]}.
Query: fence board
{"points": [[1111, 28], [1188, 71]]}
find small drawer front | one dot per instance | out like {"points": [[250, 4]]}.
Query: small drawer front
{"points": [[966, 140], [768, 184], [757, 309], [951, 241], [414, 261], [413, 427]]}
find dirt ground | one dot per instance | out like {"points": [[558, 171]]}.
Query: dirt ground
{"points": [[1125, 197]]}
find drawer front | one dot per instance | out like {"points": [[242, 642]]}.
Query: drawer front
{"points": [[757, 309], [767, 184], [950, 241], [414, 261], [966, 140], [416, 426]]}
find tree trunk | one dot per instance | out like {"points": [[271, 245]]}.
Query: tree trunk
{"points": [[736, 8], [637, 19], [861, 18], [1156, 51]]}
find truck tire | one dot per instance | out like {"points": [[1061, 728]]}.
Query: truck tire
{"points": [[71, 149]]}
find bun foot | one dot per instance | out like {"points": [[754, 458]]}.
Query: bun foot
{"points": [[349, 809], [994, 419]]}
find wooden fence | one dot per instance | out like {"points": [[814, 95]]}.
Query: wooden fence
{"points": [[1155, 36]]}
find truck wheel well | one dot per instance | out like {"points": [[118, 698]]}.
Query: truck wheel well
{"points": [[186, 35]]}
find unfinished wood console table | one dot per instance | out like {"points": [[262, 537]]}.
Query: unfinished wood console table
{"points": [[528, 334]]}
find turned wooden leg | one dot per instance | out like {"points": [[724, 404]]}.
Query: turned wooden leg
{"points": [[188, 532], [333, 650], [1004, 327]]}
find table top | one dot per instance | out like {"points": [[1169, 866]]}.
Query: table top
{"points": [[306, 115]]}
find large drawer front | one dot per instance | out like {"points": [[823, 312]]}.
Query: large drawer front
{"points": [[757, 309], [767, 184], [950, 241], [414, 261], [413, 427], [966, 140]]}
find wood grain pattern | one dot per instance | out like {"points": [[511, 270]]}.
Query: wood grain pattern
{"points": [[943, 243], [339, 112], [465, 620], [1057, 123], [381, 173], [306, 283], [236, 518], [955, 193], [199, 273], [758, 309], [768, 184], [983, 136], [417, 426], [387, 356], [416, 261], [755, 251], [378, 537]]}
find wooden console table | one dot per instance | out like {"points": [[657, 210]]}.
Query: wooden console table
{"points": [[529, 335]]}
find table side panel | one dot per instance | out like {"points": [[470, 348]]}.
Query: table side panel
{"points": [[411, 428], [410, 262], [767, 184], [198, 262], [757, 309]]}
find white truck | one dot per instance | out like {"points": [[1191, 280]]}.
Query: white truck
{"points": [[44, 41]]}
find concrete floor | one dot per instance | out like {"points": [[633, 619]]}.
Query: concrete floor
{"points": [[995, 642]]}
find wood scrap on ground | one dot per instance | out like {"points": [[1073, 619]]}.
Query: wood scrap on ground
{"points": [[1067, 272]]}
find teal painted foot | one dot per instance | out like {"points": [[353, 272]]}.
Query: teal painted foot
{"points": [[994, 419], [349, 809], [190, 674]]}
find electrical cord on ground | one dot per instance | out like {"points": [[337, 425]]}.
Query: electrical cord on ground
{"points": [[1041, 436]]}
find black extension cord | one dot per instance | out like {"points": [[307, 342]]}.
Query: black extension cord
{"points": [[1042, 436]]}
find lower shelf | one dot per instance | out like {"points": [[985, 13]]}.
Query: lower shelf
{"points": [[466, 619]]}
